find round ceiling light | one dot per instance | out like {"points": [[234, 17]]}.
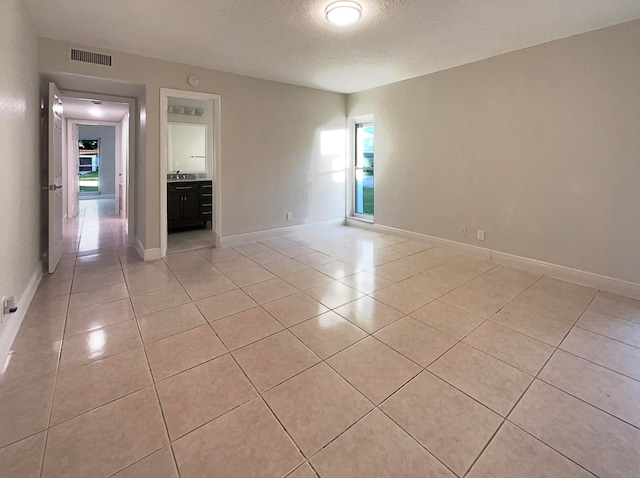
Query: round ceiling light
{"points": [[96, 112], [343, 13]]}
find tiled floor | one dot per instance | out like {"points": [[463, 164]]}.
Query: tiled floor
{"points": [[187, 239], [342, 353]]}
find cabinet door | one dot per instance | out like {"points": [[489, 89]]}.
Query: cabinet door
{"points": [[174, 205], [190, 204]]}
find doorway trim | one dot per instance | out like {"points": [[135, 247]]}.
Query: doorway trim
{"points": [[130, 220], [165, 93]]}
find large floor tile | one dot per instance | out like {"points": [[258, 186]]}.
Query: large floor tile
{"points": [[245, 327], [28, 366], [80, 389], [303, 471], [252, 275], [274, 359], [98, 280], [102, 295], [151, 302], [402, 298], [168, 322], [375, 369], [270, 290], [327, 334], [225, 304], [247, 441], [366, 282], [207, 288], [556, 298], [601, 387], [447, 319], [196, 396], [85, 320], [159, 464], [334, 294], [294, 309], [25, 410], [415, 340], [493, 383], [514, 452], [306, 279], [514, 348], [604, 351], [316, 406], [37, 333], [517, 317], [619, 329], [452, 426], [617, 306], [375, 447], [88, 347], [287, 266], [182, 351], [106, 440], [599, 442], [23, 459]]}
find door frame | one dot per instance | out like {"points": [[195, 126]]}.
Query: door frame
{"points": [[165, 93], [130, 183], [350, 168]]}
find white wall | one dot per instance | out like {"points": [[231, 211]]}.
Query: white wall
{"points": [[19, 152], [107, 136], [272, 160], [540, 148]]}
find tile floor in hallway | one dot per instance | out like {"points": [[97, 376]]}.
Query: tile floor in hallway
{"points": [[342, 353]]}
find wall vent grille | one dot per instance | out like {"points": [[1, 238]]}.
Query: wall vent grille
{"points": [[90, 57]]}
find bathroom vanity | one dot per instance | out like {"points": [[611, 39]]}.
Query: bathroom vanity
{"points": [[189, 202]]}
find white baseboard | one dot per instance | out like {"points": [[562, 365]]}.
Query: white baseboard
{"points": [[147, 254], [590, 279], [282, 231], [11, 323], [476, 252]]}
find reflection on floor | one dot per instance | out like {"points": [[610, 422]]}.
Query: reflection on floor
{"points": [[187, 239], [342, 353]]}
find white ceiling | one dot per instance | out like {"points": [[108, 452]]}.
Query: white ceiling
{"points": [[77, 108], [290, 41]]}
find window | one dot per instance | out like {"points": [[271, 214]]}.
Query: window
{"points": [[363, 168]]}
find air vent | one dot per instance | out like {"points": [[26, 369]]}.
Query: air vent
{"points": [[90, 57]]}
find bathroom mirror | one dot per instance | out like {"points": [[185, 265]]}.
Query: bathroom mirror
{"points": [[187, 148]]}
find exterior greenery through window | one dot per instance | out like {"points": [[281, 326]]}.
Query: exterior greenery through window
{"points": [[89, 166], [363, 197]]}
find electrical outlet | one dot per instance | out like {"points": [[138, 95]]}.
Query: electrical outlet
{"points": [[289, 216], [480, 235], [463, 230]]}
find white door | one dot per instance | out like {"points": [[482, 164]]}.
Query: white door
{"points": [[55, 177], [73, 197]]}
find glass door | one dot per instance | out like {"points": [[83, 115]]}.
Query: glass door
{"points": [[363, 191]]}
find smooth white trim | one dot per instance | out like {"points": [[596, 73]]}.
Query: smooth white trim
{"points": [[281, 231], [217, 157], [590, 279], [11, 323], [147, 254], [350, 168], [597, 281]]}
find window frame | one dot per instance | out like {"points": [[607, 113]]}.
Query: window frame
{"points": [[352, 125]]}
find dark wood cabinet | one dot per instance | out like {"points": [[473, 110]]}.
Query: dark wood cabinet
{"points": [[189, 203]]}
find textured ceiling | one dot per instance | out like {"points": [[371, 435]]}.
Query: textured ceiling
{"points": [[290, 41]]}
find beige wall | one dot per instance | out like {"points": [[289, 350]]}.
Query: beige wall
{"points": [[272, 157], [19, 151], [540, 148]]}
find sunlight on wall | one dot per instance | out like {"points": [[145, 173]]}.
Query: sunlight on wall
{"points": [[332, 143]]}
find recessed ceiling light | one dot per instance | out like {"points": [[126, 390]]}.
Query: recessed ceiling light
{"points": [[343, 13], [96, 112]]}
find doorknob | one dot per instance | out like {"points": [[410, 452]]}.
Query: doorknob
{"points": [[53, 187]]}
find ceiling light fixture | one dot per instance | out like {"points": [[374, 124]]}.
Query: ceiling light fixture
{"points": [[343, 13]]}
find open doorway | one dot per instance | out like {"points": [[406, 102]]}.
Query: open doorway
{"points": [[189, 170], [97, 153]]}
